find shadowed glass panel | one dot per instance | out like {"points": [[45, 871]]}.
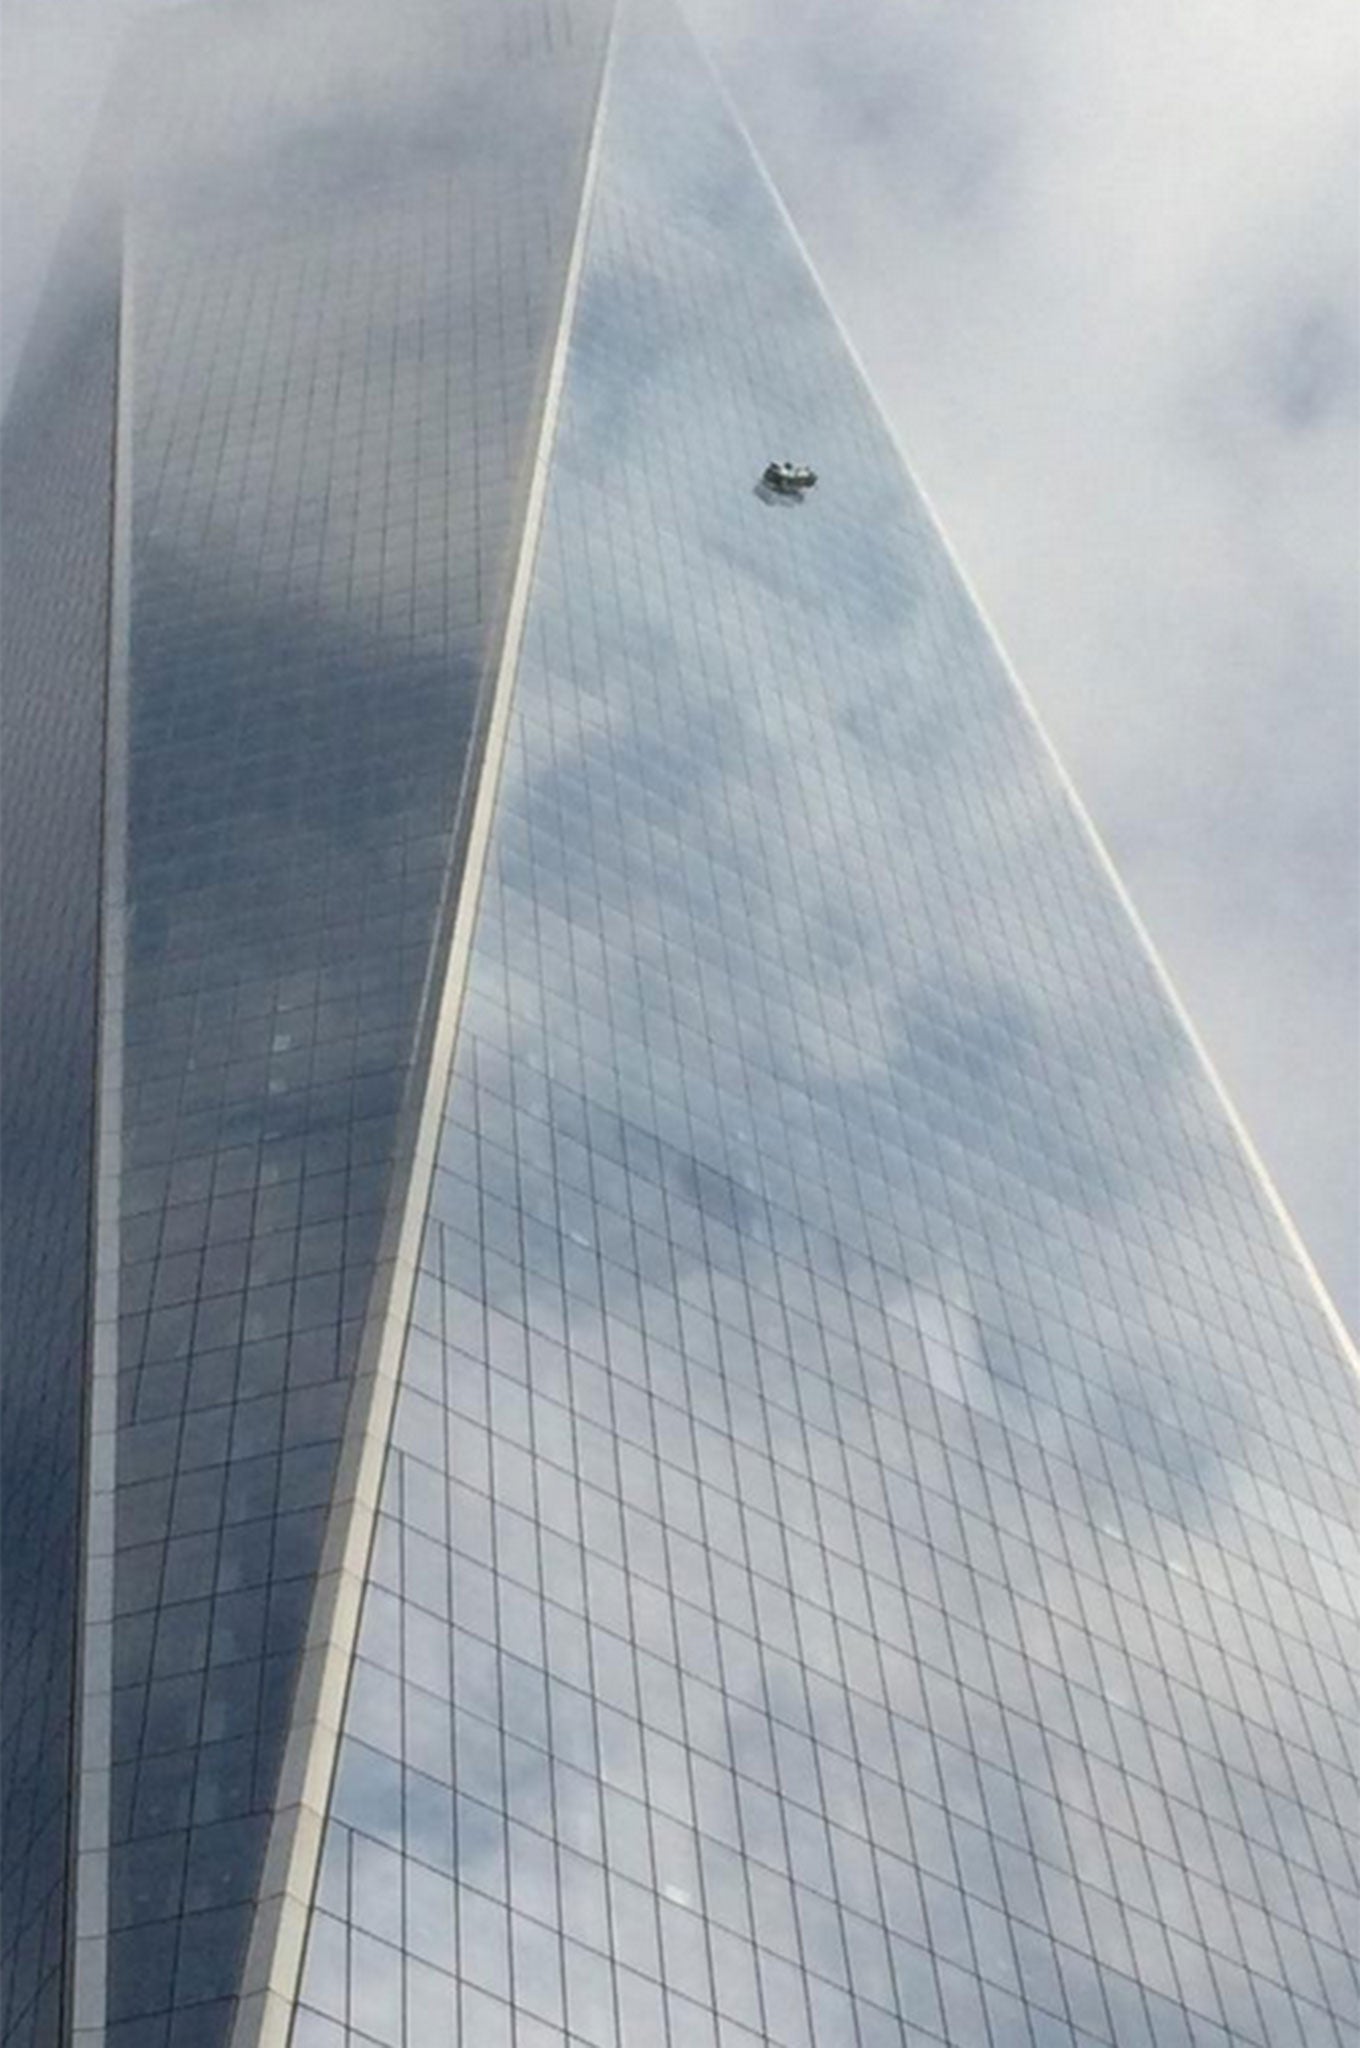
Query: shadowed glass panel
{"points": [[342, 306], [56, 485]]}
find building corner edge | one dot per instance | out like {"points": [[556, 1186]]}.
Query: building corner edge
{"points": [[274, 1961]]}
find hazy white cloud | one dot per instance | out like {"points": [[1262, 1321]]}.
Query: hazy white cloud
{"points": [[1101, 262]]}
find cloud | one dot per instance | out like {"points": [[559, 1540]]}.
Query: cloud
{"points": [[55, 64], [1102, 266], [1102, 269], [291, 95]]}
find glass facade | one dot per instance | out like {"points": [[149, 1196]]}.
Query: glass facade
{"points": [[56, 460], [333, 410], [863, 1551], [866, 1549]]}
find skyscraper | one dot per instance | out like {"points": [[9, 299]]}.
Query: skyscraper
{"points": [[649, 1396]]}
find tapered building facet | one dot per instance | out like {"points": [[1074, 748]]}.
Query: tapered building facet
{"points": [[650, 1399]]}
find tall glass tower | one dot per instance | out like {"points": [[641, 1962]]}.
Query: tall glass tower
{"points": [[650, 1399]]}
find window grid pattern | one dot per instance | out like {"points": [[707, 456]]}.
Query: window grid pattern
{"points": [[867, 1546], [337, 370], [56, 497]]}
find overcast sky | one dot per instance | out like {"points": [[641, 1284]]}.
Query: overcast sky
{"points": [[1101, 262]]}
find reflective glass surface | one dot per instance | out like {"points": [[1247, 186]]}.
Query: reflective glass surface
{"points": [[341, 303], [55, 498], [867, 1549]]}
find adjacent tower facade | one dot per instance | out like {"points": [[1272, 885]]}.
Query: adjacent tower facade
{"points": [[650, 1400]]}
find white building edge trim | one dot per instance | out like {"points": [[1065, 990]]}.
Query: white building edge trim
{"points": [[1330, 1313], [273, 1970]]}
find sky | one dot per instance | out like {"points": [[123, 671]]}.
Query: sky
{"points": [[1101, 265]]}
